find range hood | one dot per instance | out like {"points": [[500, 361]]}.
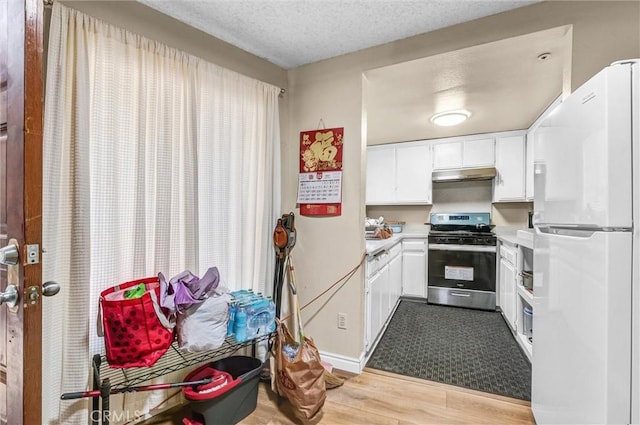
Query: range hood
{"points": [[463, 174]]}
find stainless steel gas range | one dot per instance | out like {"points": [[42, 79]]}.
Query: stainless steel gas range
{"points": [[462, 260]]}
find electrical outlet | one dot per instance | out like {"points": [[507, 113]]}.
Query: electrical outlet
{"points": [[342, 320]]}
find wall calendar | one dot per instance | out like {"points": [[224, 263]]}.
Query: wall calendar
{"points": [[320, 178]]}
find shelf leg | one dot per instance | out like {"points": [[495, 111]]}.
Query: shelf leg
{"points": [[95, 402], [105, 392]]}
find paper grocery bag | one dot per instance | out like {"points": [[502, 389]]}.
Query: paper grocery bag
{"points": [[299, 374]]}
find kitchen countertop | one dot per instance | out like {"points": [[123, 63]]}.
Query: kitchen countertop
{"points": [[525, 237], [506, 234], [374, 246], [515, 235]]}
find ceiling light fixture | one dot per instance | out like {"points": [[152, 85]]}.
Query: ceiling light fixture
{"points": [[447, 119]]}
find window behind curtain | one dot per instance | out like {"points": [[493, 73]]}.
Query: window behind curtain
{"points": [[155, 161]]}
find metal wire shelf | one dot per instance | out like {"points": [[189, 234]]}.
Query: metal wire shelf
{"points": [[173, 360]]}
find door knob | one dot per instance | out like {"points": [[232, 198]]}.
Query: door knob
{"points": [[50, 288], [9, 255], [10, 296]]}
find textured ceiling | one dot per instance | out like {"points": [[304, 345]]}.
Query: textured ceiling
{"points": [[290, 33], [503, 84]]}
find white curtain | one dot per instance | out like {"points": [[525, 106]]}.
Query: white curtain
{"points": [[154, 161]]}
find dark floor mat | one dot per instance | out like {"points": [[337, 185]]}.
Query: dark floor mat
{"points": [[468, 348]]}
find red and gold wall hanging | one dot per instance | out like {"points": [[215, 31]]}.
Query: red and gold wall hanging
{"points": [[320, 179]]}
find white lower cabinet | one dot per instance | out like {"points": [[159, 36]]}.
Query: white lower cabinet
{"points": [[382, 291], [525, 299], [516, 302], [379, 284], [414, 267], [395, 281], [507, 283]]}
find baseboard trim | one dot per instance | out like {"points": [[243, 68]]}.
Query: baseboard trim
{"points": [[348, 364]]}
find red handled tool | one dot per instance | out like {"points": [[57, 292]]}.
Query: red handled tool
{"points": [[284, 239], [96, 393]]}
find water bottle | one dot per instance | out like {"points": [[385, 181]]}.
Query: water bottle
{"points": [[232, 314], [241, 324], [272, 318]]}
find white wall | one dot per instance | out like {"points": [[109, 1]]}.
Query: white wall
{"points": [[328, 247], [472, 196]]}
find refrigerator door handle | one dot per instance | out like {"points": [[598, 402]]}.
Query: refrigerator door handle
{"points": [[536, 218], [568, 231], [583, 232], [579, 231]]}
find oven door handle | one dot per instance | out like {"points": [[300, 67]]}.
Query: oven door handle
{"points": [[469, 248], [459, 294]]}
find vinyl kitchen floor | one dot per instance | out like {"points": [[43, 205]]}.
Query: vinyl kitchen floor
{"points": [[376, 397]]}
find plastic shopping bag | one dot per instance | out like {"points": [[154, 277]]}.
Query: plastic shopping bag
{"points": [[203, 326]]}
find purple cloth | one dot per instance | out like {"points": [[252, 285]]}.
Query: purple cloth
{"points": [[186, 289]]}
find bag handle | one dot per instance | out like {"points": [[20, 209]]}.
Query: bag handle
{"points": [[100, 324], [154, 302], [296, 302], [156, 307]]}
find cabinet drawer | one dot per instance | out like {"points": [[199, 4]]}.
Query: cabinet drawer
{"points": [[395, 251], [419, 245], [372, 266], [508, 254]]}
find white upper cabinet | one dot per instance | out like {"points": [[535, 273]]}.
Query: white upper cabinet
{"points": [[458, 153], [478, 153], [509, 184], [413, 174], [399, 173], [447, 155], [381, 174], [528, 169]]}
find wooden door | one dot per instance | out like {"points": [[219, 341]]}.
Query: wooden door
{"points": [[21, 105]]}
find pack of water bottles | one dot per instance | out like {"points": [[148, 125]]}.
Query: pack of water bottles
{"points": [[250, 315]]}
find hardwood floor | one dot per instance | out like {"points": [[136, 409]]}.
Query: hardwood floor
{"points": [[377, 397]]}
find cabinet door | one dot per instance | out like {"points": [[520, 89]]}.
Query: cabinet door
{"points": [[509, 184], [447, 155], [376, 296], [478, 153], [379, 286], [395, 281], [413, 174], [367, 315], [508, 291], [529, 166], [414, 268], [381, 175]]}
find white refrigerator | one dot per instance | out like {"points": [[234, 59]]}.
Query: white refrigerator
{"points": [[586, 325]]}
